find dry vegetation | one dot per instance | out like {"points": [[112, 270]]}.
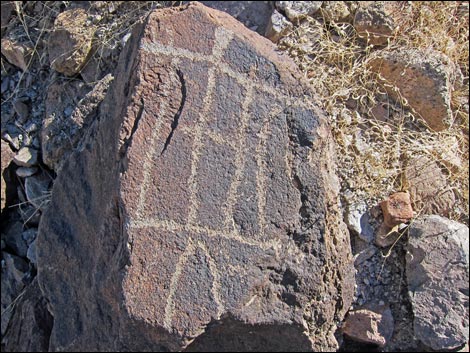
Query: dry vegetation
{"points": [[373, 153]]}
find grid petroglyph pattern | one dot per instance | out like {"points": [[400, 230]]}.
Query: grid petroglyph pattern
{"points": [[237, 144]]}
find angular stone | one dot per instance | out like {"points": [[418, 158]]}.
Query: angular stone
{"points": [[358, 219], [12, 235], [374, 21], [17, 54], [202, 203], [336, 11], [428, 186], [437, 263], [13, 273], [397, 209], [26, 157], [7, 156], [31, 324], [24, 172], [36, 189], [70, 41], [296, 10], [277, 27], [372, 325], [424, 79]]}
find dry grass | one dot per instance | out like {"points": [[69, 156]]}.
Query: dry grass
{"points": [[373, 151]]}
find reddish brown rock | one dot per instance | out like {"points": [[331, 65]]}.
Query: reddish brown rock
{"points": [[397, 209], [200, 210], [17, 54], [424, 79], [373, 325], [70, 41]]}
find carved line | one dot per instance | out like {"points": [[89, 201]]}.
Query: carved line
{"points": [[261, 170], [215, 282], [239, 159], [170, 304], [214, 136], [151, 151], [223, 38], [157, 48], [172, 226]]}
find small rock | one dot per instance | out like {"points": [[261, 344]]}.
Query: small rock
{"points": [[8, 7], [13, 272], [29, 235], [336, 11], [397, 209], [5, 84], [70, 41], [31, 254], [358, 221], [372, 326], [24, 172], [22, 110], [26, 157], [437, 264], [13, 239], [424, 79], [30, 215], [17, 54], [296, 10], [374, 21], [428, 187], [364, 255], [277, 27], [36, 188], [386, 236], [7, 156]]}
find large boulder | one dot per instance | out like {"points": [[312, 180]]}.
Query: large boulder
{"points": [[437, 274], [200, 210]]}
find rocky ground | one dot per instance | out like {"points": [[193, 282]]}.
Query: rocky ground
{"points": [[393, 80]]}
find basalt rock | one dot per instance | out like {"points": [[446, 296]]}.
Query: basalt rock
{"points": [[200, 210]]}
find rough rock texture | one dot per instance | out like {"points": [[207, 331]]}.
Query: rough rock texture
{"points": [[373, 325], [437, 269], [253, 14], [425, 79], [64, 126], [397, 209], [26, 157], [336, 11], [30, 326], [374, 21], [6, 177], [13, 281], [296, 10], [277, 26], [17, 54], [201, 202], [430, 193], [70, 41]]}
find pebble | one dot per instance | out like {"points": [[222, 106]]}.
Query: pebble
{"points": [[26, 157], [24, 172]]}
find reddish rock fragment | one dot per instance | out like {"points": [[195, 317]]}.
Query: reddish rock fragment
{"points": [[397, 209]]}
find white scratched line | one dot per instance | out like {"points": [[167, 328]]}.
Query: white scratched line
{"points": [[158, 48], [172, 226]]}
